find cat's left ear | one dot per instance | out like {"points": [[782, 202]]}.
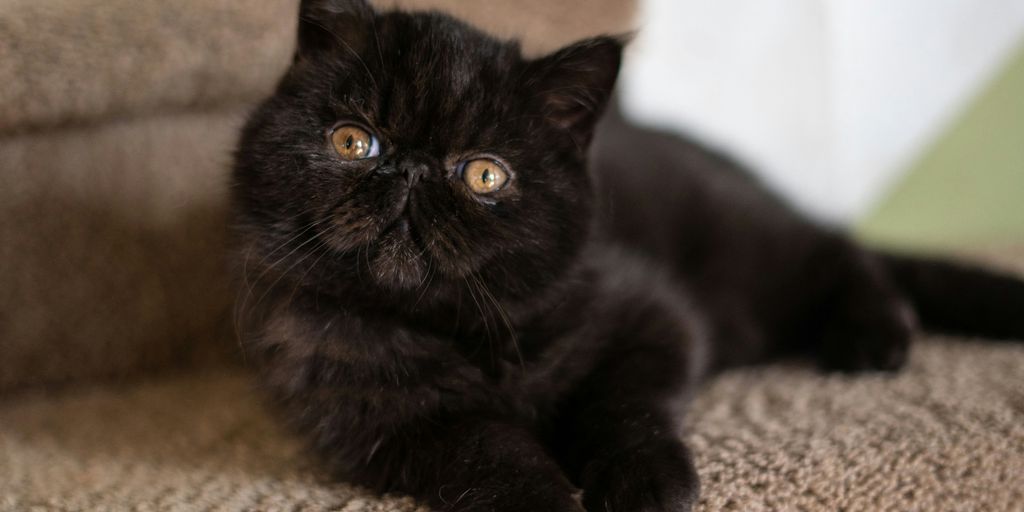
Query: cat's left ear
{"points": [[575, 84], [326, 25]]}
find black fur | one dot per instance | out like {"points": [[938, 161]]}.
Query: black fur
{"points": [[500, 352]]}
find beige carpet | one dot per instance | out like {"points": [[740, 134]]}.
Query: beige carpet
{"points": [[947, 434]]}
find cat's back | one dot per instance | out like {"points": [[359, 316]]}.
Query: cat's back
{"points": [[673, 198]]}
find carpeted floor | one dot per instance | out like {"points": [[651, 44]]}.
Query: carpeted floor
{"points": [[946, 434]]}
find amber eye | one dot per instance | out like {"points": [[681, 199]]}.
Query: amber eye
{"points": [[354, 143], [484, 176]]}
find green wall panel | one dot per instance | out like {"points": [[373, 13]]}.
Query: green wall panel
{"points": [[968, 188]]}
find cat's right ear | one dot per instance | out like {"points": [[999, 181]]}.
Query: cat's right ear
{"points": [[575, 84], [327, 25]]}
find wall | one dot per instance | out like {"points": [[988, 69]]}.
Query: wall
{"points": [[831, 100]]}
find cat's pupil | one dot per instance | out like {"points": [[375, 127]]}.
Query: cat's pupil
{"points": [[352, 143], [487, 177], [355, 147]]}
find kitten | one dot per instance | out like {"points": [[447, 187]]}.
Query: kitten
{"points": [[462, 284]]}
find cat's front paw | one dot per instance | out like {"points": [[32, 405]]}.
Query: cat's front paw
{"points": [[652, 477], [863, 341]]}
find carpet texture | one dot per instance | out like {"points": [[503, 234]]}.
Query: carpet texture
{"points": [[947, 434]]}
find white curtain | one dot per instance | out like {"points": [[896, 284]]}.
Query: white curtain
{"points": [[829, 100]]}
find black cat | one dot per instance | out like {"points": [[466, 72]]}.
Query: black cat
{"points": [[461, 287]]}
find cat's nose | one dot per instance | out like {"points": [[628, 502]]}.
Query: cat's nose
{"points": [[413, 171]]}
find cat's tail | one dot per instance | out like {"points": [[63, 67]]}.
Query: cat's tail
{"points": [[955, 298]]}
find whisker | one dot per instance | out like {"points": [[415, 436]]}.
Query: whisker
{"points": [[284, 244], [483, 317], [251, 285], [425, 283], [348, 47], [504, 317], [285, 272], [324, 249]]}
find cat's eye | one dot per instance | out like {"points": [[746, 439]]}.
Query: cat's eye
{"points": [[484, 176], [354, 143]]}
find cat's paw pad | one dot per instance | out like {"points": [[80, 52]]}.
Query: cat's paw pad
{"points": [[877, 343], [652, 477]]}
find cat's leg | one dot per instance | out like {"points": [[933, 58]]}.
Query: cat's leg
{"points": [[474, 465], [474, 461], [406, 415], [620, 432], [866, 322], [464, 461]]}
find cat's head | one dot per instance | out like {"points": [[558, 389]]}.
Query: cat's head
{"points": [[403, 147]]}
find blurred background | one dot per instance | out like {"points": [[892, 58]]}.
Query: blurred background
{"points": [[904, 120]]}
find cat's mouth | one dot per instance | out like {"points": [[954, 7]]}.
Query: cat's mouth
{"points": [[357, 224], [404, 229], [401, 243], [403, 225], [398, 258]]}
